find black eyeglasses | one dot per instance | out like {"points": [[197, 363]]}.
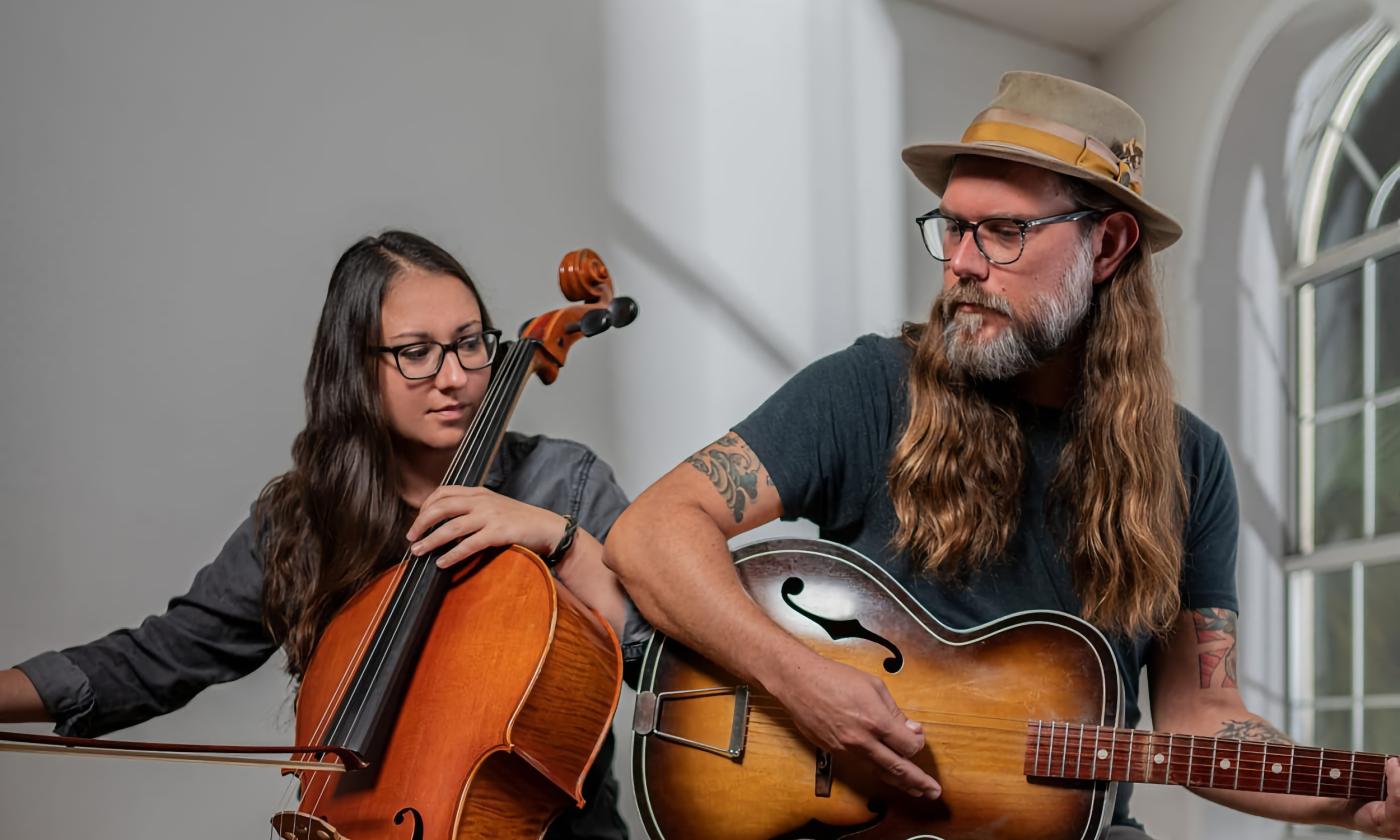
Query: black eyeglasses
{"points": [[1000, 240], [423, 359]]}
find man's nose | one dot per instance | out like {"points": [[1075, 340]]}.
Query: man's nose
{"points": [[966, 261]]}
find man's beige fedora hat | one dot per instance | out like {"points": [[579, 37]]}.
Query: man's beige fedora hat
{"points": [[1064, 126]]}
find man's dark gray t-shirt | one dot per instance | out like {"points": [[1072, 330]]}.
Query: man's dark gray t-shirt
{"points": [[826, 438]]}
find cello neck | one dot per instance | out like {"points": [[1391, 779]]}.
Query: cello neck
{"points": [[472, 462]]}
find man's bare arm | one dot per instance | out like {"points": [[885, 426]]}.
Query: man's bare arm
{"points": [[1194, 680], [670, 550]]}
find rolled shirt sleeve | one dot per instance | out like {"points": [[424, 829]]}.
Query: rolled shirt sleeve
{"points": [[212, 634]]}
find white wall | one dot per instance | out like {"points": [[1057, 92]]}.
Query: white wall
{"points": [[176, 182]]}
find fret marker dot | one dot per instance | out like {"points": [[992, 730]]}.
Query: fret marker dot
{"points": [[1224, 764], [1159, 758], [1278, 768], [1103, 753], [1336, 774]]}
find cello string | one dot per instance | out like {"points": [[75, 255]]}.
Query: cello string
{"points": [[395, 588], [472, 447], [474, 440]]}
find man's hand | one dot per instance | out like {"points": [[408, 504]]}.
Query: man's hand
{"points": [[847, 711], [1382, 818]]}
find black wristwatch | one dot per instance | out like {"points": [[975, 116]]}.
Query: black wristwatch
{"points": [[565, 542]]}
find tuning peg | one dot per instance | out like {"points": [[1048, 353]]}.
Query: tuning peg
{"points": [[592, 322], [623, 311]]}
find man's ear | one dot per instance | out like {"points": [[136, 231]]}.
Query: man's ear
{"points": [[1115, 237]]}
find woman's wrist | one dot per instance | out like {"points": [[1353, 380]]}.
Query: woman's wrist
{"points": [[561, 547]]}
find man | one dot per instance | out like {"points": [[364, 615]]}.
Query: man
{"points": [[1020, 450]]}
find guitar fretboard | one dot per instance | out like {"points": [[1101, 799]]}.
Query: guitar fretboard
{"points": [[1079, 751]]}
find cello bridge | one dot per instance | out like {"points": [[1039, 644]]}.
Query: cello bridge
{"points": [[294, 825]]}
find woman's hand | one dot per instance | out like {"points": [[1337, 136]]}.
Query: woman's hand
{"points": [[481, 519]]}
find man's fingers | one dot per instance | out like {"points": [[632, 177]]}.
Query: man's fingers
{"points": [[902, 773], [902, 735]]}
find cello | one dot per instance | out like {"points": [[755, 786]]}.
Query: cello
{"points": [[467, 702]]}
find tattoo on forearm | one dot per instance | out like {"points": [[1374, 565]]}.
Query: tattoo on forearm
{"points": [[1252, 730], [1215, 635], [732, 469]]}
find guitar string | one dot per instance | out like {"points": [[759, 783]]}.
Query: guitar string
{"points": [[1243, 755], [772, 733]]}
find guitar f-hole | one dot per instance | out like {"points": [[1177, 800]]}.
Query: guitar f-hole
{"points": [[844, 628]]}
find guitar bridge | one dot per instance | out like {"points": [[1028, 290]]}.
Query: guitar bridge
{"points": [[646, 718]]}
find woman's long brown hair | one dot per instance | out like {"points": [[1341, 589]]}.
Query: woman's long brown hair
{"points": [[958, 467], [329, 524]]}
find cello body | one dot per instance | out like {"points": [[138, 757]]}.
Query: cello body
{"points": [[510, 699]]}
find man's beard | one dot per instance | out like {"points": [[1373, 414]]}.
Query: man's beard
{"points": [[1027, 340]]}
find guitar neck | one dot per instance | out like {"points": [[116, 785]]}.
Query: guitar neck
{"points": [[1102, 753]]}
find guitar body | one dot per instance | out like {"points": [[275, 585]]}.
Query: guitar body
{"points": [[973, 690]]}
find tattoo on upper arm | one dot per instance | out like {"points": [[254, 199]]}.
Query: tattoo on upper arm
{"points": [[1215, 635], [732, 469], [1252, 730]]}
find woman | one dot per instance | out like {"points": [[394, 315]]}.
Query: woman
{"points": [[400, 365]]}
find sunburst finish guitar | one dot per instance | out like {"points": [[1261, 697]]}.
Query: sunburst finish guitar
{"points": [[1021, 718]]}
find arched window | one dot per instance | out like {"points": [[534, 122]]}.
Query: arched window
{"points": [[1344, 575]]}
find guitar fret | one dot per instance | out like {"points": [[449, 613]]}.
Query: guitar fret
{"points": [[1351, 776], [1094, 764], [1147, 764], [1292, 761], [1128, 770], [1262, 764], [1321, 761], [1190, 760], [1171, 742], [1050, 750], [1239, 749], [1064, 751], [1112, 750], [1079, 754], [1214, 747], [1039, 726]]}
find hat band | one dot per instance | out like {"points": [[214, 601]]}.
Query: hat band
{"points": [[1059, 141]]}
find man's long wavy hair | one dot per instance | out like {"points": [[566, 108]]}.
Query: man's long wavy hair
{"points": [[1118, 499], [333, 521]]}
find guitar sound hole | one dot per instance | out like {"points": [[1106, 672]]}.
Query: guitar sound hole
{"points": [[844, 628]]}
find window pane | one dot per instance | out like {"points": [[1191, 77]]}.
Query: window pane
{"points": [[1337, 331], [1382, 629], [1380, 731], [1374, 125], [1388, 315], [1339, 480], [1344, 212], [1332, 634], [1333, 729], [1390, 211], [1388, 470]]}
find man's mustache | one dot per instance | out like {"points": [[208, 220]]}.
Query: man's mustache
{"points": [[950, 298]]}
